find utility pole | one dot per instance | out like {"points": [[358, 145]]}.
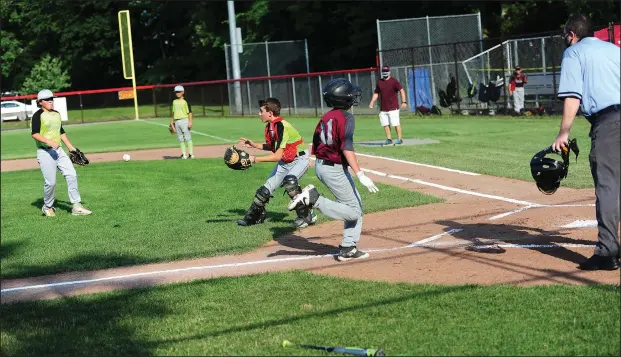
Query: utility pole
{"points": [[235, 58]]}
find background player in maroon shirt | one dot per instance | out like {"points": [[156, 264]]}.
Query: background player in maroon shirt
{"points": [[388, 87], [516, 89], [333, 146]]}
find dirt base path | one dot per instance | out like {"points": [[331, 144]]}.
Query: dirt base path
{"points": [[417, 245]]}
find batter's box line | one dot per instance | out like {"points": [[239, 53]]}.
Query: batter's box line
{"points": [[522, 209]]}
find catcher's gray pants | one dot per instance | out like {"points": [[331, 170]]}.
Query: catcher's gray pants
{"points": [[297, 167], [518, 99], [348, 206], [605, 168], [183, 132], [51, 160]]}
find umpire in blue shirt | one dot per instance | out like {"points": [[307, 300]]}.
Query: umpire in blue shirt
{"points": [[590, 81]]}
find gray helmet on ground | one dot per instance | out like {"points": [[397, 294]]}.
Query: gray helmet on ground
{"points": [[340, 93]]}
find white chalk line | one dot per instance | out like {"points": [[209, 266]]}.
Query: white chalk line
{"points": [[424, 243], [420, 164], [453, 189], [193, 131], [518, 210]]}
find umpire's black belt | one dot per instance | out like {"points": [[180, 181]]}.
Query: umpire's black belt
{"points": [[302, 153], [610, 109]]}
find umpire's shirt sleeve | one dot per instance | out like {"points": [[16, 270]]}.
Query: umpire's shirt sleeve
{"points": [[571, 76]]}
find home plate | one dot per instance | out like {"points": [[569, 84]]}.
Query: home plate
{"points": [[405, 142], [581, 224]]}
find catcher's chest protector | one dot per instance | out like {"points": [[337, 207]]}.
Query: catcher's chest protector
{"points": [[271, 134]]}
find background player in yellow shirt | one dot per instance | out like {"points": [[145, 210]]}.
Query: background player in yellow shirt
{"points": [[182, 120]]}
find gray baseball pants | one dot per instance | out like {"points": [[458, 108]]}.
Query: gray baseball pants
{"points": [[51, 160], [297, 167], [348, 206], [604, 160], [183, 131]]}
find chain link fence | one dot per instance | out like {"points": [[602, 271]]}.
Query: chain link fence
{"points": [[264, 59], [396, 38], [462, 75]]}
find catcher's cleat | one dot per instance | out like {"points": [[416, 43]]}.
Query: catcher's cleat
{"points": [[255, 215], [308, 198], [349, 253], [303, 220], [49, 212], [79, 210]]}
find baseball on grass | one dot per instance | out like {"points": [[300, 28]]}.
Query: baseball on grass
{"points": [[126, 157]]}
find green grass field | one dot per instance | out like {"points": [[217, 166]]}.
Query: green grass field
{"points": [[497, 146], [149, 211], [153, 211], [252, 315]]}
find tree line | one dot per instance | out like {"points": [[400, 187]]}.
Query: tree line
{"points": [[74, 45]]}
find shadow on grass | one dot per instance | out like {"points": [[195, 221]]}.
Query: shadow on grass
{"points": [[73, 327], [97, 326], [78, 263], [58, 204]]}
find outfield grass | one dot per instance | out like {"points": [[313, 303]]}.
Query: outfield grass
{"points": [[498, 146], [77, 116], [251, 315], [149, 211]]}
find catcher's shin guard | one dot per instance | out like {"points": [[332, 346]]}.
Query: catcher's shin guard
{"points": [[256, 213], [304, 213]]}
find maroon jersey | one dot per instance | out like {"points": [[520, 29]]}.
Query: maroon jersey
{"points": [[387, 89], [519, 80], [333, 134]]}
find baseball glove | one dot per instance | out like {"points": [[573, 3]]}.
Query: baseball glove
{"points": [[171, 128], [237, 159], [78, 157]]}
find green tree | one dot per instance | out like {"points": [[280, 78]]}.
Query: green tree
{"points": [[49, 73]]}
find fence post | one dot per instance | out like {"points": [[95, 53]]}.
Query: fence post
{"points": [[295, 102], [554, 101], [81, 108], [203, 100], [289, 96], [504, 79], [414, 81], [316, 99], [457, 77], [221, 100], [154, 101]]}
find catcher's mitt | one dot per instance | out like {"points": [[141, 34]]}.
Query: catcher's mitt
{"points": [[171, 128], [78, 157], [237, 159]]}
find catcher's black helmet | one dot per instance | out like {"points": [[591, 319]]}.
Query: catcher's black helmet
{"points": [[547, 172], [340, 93]]}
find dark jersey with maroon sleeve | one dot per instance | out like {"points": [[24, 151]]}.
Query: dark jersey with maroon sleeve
{"points": [[387, 89], [333, 134]]}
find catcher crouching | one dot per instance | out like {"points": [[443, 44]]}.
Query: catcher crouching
{"points": [[285, 143]]}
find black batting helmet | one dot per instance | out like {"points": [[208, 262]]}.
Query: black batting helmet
{"points": [[340, 93], [547, 172]]}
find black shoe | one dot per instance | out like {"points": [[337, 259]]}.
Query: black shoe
{"points": [[598, 262], [349, 253]]}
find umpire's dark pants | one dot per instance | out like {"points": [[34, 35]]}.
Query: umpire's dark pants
{"points": [[605, 168]]}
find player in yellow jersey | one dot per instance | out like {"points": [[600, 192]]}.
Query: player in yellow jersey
{"points": [[49, 135], [182, 120]]}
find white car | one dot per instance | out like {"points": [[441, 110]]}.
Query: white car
{"points": [[14, 110]]}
